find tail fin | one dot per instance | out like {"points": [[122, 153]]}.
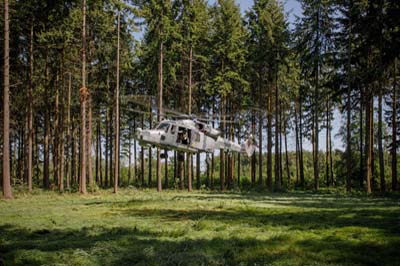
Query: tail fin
{"points": [[249, 147]]}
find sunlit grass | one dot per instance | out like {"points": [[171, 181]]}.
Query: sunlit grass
{"points": [[200, 228]]}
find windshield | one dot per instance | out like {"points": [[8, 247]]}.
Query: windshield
{"points": [[163, 126]]}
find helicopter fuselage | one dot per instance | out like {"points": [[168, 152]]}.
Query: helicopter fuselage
{"points": [[184, 136]]}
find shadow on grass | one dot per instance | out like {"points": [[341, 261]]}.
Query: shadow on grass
{"points": [[385, 220], [131, 246], [298, 199]]}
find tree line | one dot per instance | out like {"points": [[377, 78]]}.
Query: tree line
{"points": [[77, 83]]}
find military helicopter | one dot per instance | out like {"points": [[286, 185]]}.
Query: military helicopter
{"points": [[190, 135], [185, 133]]}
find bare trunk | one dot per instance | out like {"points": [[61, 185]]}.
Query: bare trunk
{"points": [[301, 161], [89, 143], [83, 99], [198, 184], [238, 158], [116, 125], [129, 156], [68, 125], [348, 140], [142, 158], [6, 108], [61, 132], [46, 154], [363, 175], [380, 144], [269, 140], [369, 141], [277, 157], [181, 169], [159, 116], [189, 170], [287, 155], [260, 155], [253, 156], [98, 155], [394, 129], [134, 151], [106, 150], [296, 122], [166, 169]]}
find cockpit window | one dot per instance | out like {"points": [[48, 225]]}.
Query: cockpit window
{"points": [[163, 126]]}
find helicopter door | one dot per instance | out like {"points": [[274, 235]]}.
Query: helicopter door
{"points": [[169, 136], [184, 136]]}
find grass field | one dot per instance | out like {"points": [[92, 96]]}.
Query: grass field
{"points": [[200, 228]]}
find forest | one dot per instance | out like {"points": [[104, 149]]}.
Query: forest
{"points": [[79, 77]]}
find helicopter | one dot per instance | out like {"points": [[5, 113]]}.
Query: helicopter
{"points": [[191, 135], [185, 133]]}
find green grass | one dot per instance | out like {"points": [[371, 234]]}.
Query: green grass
{"points": [[200, 228]]}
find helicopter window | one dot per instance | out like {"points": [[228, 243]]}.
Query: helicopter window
{"points": [[173, 129], [163, 126], [184, 136]]}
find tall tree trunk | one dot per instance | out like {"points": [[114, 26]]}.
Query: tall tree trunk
{"points": [[150, 173], [74, 159], [269, 140], [380, 144], [129, 156], [189, 155], [222, 152], [198, 183], [160, 106], [142, 158], [106, 149], [296, 123], [369, 140], [212, 171], [61, 131], [277, 157], [380, 133], [46, 153], [56, 133], [166, 169], [287, 155], [100, 155], [327, 170], [260, 155], [83, 99], [116, 126], [68, 125], [301, 161], [363, 175], [394, 128], [30, 113], [110, 146], [189, 170], [238, 158], [348, 107], [280, 145], [181, 170], [134, 150], [253, 156], [96, 167], [348, 139], [6, 108], [89, 143]]}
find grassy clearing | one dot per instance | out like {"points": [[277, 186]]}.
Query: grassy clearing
{"points": [[178, 228]]}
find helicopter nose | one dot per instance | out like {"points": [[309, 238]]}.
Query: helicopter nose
{"points": [[138, 133]]}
